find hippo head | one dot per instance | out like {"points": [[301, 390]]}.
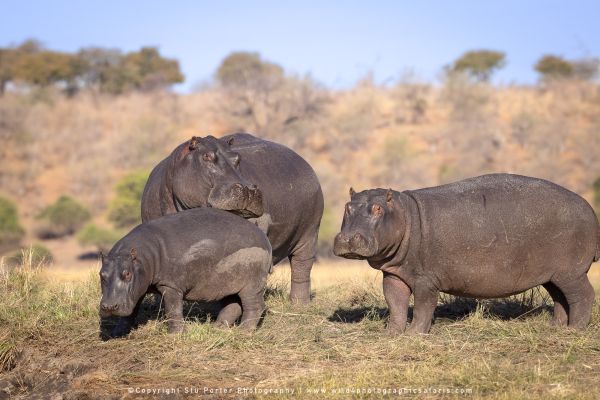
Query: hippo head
{"points": [[123, 282], [206, 174], [372, 227]]}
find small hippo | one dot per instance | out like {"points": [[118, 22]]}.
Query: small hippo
{"points": [[485, 237], [201, 254]]}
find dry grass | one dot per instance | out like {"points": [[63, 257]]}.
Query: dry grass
{"points": [[50, 343]]}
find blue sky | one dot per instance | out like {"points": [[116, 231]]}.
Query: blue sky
{"points": [[337, 42]]}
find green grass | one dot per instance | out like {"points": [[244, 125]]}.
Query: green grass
{"points": [[504, 349]]}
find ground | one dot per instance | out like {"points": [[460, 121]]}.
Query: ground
{"points": [[50, 345]]}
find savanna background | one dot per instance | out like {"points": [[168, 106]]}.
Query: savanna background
{"points": [[81, 130]]}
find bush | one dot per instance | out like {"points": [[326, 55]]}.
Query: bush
{"points": [[553, 67], [102, 239], [125, 208], [596, 187], [11, 231], [480, 64], [327, 231], [33, 255], [64, 217]]}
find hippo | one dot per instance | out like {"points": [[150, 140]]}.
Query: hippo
{"points": [[489, 236], [201, 254], [280, 193]]}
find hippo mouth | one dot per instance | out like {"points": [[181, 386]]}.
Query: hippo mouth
{"points": [[246, 214], [354, 248], [350, 255]]}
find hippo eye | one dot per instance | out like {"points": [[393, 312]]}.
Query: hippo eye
{"points": [[377, 210], [210, 156], [126, 275]]}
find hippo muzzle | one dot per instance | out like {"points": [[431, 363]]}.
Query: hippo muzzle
{"points": [[354, 246], [245, 201]]}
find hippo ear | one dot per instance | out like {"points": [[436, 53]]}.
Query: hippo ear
{"points": [[133, 253], [101, 254], [230, 141], [351, 191], [193, 145], [389, 196]]}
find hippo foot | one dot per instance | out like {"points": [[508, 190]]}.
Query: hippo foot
{"points": [[394, 330], [175, 327], [300, 300]]}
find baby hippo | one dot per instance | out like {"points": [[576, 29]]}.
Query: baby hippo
{"points": [[201, 254], [484, 237]]}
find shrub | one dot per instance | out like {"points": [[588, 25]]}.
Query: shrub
{"points": [[327, 231], [125, 208], [33, 255], [102, 239], [553, 67], [480, 64], [596, 187], [11, 231], [64, 217]]}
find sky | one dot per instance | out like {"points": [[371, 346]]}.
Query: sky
{"points": [[336, 42]]}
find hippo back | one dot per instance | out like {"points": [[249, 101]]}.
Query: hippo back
{"points": [[292, 196]]}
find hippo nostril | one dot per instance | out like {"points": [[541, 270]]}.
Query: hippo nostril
{"points": [[238, 186], [253, 187], [356, 236]]}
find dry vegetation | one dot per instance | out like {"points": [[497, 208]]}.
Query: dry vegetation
{"points": [[503, 349]]}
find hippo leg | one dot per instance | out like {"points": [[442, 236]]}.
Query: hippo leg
{"points": [[301, 262], [560, 305], [397, 294], [231, 311], [580, 297], [426, 298], [173, 301], [253, 306]]}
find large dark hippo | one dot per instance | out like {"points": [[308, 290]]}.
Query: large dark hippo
{"points": [[485, 237], [201, 172], [292, 201], [202, 254]]}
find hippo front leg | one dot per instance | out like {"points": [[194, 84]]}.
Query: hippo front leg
{"points": [[426, 297], [397, 293], [173, 301]]}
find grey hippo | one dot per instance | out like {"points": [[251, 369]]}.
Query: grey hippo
{"points": [[485, 237], [257, 179], [202, 254]]}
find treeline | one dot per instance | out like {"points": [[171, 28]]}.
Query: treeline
{"points": [[106, 70]]}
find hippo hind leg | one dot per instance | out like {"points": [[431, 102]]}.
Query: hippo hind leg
{"points": [[561, 306], [579, 294], [301, 262], [253, 306], [231, 311]]}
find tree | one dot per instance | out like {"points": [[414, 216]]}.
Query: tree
{"points": [[150, 71], [587, 69], [246, 70], [553, 67], [480, 64]]}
